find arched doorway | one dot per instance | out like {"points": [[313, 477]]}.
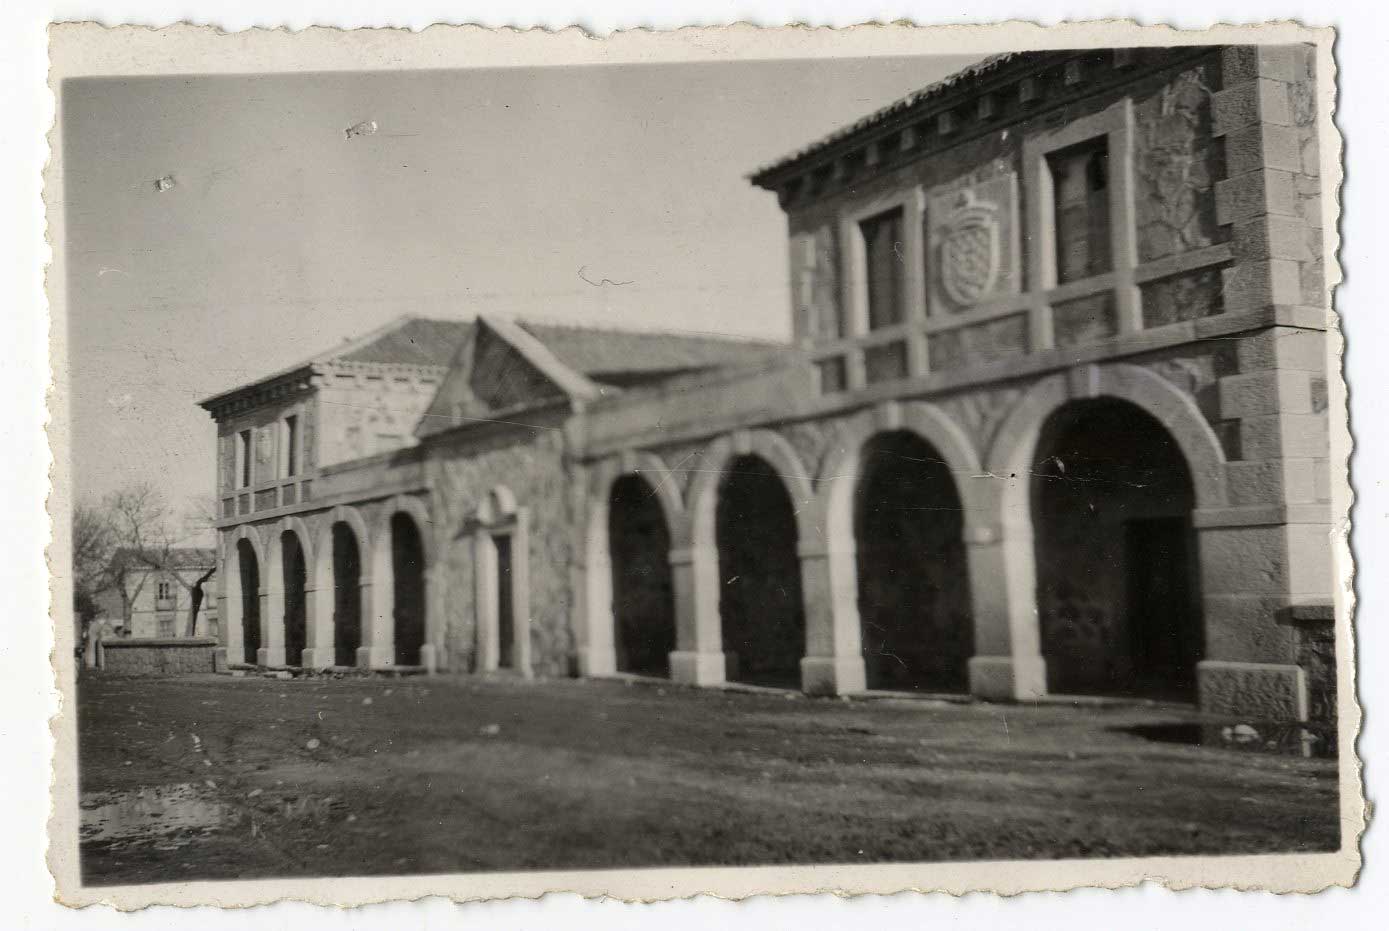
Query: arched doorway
{"points": [[760, 608], [407, 570], [295, 601], [1118, 582], [249, 570], [643, 602], [913, 580], [347, 595]]}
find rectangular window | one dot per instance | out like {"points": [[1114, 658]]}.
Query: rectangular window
{"points": [[1080, 186], [243, 458], [885, 264], [291, 444], [833, 375], [165, 591]]}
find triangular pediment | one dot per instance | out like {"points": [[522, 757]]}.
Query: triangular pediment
{"points": [[499, 367]]}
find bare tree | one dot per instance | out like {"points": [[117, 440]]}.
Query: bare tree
{"points": [[93, 540], [200, 519], [139, 519]]}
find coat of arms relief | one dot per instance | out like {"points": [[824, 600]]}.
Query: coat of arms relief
{"points": [[973, 243]]}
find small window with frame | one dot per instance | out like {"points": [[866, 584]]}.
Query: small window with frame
{"points": [[1080, 191], [884, 265], [291, 433]]}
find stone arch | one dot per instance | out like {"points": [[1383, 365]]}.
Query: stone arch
{"points": [[379, 646], [277, 599], [837, 626], [233, 610], [598, 653], [701, 655], [1016, 439], [328, 599], [1011, 464], [766, 444]]}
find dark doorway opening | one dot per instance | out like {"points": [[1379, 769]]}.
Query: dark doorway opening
{"points": [[295, 576], [347, 595], [763, 617], [1163, 611], [1118, 583], [249, 568], [643, 600], [506, 614], [913, 575], [407, 567]]}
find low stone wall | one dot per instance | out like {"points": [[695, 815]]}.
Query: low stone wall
{"points": [[1314, 627], [158, 656]]}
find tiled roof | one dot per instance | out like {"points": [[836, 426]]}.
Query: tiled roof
{"points": [[417, 341], [977, 70], [178, 558], [599, 352], [592, 351]]}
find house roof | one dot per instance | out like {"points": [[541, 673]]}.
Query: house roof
{"points": [[409, 341], [930, 92], [598, 353], [592, 351], [187, 557]]}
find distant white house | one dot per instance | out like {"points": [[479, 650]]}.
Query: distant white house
{"points": [[153, 595]]}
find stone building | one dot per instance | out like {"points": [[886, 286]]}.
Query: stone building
{"points": [[1054, 420]]}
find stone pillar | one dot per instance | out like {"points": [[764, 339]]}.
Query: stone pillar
{"points": [[1007, 664], [378, 625], [833, 663], [432, 654], [698, 658], [272, 628], [597, 653], [318, 614], [1268, 546]]}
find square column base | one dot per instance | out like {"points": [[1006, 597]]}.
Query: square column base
{"points": [[698, 668], [219, 659], [1258, 691], [375, 657], [833, 675], [430, 657], [317, 657], [1008, 678], [596, 662], [270, 656]]}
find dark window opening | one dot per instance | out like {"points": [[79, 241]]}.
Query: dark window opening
{"points": [[885, 268], [1080, 186], [292, 445]]}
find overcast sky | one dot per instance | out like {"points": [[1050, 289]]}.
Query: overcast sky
{"points": [[486, 191]]}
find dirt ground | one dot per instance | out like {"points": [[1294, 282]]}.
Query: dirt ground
{"points": [[221, 778]]}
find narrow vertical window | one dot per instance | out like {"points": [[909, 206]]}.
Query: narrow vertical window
{"points": [[243, 453], [885, 268], [292, 444], [1080, 182]]}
